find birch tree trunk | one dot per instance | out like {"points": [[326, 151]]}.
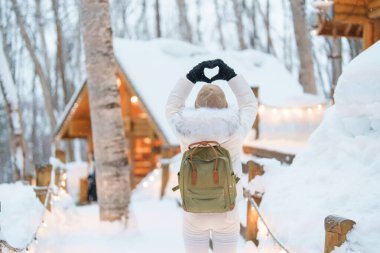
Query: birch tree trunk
{"points": [[304, 46], [17, 143], [239, 23], [45, 83], [112, 170], [184, 25]]}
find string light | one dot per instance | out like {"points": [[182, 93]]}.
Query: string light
{"points": [[51, 193], [134, 99], [145, 184]]}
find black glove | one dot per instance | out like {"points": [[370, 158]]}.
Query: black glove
{"points": [[225, 72], [197, 73]]}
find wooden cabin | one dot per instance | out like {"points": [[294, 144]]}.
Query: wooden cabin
{"points": [[145, 138], [350, 18]]}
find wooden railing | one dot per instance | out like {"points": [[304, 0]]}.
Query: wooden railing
{"points": [[336, 228], [50, 180]]}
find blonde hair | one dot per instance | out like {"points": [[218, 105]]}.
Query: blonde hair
{"points": [[211, 96]]}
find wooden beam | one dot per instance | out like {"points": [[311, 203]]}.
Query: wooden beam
{"points": [[374, 14], [376, 31], [79, 128], [260, 152], [350, 9], [368, 38], [351, 19], [373, 4], [356, 2], [165, 169], [336, 229]]}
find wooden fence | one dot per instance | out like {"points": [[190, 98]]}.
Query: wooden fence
{"points": [[50, 180], [336, 228]]}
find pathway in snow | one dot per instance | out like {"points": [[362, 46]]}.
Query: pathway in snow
{"points": [[154, 226]]}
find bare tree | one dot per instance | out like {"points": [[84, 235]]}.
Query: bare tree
{"points": [[251, 13], [184, 24], [158, 18], [41, 32], [237, 6], [45, 84], [304, 46], [112, 170], [8, 89], [198, 21], [219, 24], [60, 60]]}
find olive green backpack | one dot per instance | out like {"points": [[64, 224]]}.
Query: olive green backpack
{"points": [[206, 179]]}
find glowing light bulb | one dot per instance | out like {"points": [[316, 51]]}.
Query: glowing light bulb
{"points": [[118, 82], [319, 107], [44, 224], [134, 99], [145, 184], [151, 178], [261, 109], [309, 110]]}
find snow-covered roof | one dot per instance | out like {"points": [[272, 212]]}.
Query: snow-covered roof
{"points": [[153, 67]]}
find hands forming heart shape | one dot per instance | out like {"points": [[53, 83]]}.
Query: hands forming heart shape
{"points": [[209, 71]]}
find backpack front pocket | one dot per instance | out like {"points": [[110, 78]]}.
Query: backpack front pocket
{"points": [[207, 200]]}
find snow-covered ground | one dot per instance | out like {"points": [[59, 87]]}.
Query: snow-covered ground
{"points": [[154, 225]]}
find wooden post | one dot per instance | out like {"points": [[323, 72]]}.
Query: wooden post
{"points": [[165, 169], [59, 180], [43, 177], [376, 30], [60, 155], [254, 169], [368, 35], [256, 124], [336, 229], [83, 191]]}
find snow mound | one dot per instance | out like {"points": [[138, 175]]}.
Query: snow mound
{"points": [[20, 213], [338, 173]]}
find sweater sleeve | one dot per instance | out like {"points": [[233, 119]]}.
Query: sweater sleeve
{"points": [[176, 100], [246, 100]]}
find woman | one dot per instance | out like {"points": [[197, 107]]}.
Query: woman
{"points": [[212, 120]]}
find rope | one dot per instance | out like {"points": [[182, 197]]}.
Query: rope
{"points": [[253, 203], [49, 190]]}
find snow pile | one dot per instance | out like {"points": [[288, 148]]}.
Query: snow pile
{"points": [[154, 67], [20, 213], [339, 172], [75, 171]]}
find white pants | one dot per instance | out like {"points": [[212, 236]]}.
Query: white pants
{"points": [[224, 229]]}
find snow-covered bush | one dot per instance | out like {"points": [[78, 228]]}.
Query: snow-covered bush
{"points": [[20, 213]]}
